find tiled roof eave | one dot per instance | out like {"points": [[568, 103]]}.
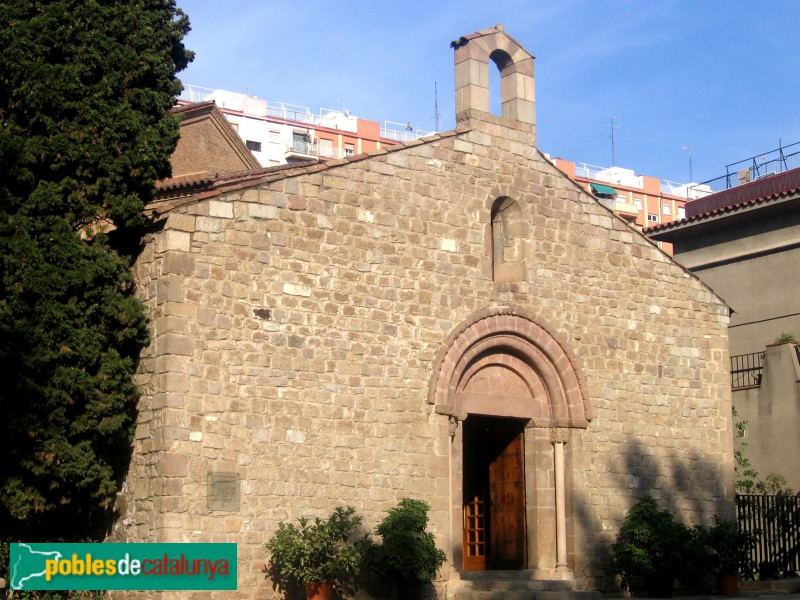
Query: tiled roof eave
{"points": [[720, 212]]}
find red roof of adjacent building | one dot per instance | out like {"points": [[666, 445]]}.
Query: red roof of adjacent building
{"points": [[771, 188]]}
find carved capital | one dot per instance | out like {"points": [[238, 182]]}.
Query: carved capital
{"points": [[559, 435], [453, 426]]}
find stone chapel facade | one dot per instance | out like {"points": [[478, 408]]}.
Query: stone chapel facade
{"points": [[453, 320]]}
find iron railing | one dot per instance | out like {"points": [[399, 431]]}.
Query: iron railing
{"points": [[312, 149], [746, 370], [774, 522], [402, 133], [784, 158]]}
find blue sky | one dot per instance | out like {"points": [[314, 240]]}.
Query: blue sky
{"points": [[720, 76]]}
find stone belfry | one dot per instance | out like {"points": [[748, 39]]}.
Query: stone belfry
{"points": [[517, 94]]}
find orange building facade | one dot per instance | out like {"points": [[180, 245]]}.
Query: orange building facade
{"points": [[642, 200]]}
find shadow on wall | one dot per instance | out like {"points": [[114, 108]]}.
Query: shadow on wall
{"points": [[691, 487]]}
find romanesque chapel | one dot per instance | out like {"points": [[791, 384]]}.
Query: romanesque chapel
{"points": [[451, 319]]}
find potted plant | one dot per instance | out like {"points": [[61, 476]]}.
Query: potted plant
{"points": [[407, 555], [697, 563], [731, 548], [650, 549], [325, 555]]}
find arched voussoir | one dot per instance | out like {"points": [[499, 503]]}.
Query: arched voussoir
{"points": [[501, 358]]}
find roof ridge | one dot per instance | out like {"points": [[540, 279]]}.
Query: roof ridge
{"points": [[289, 170]]}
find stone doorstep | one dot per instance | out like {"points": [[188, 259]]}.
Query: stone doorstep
{"points": [[517, 585], [529, 594], [789, 585], [519, 576]]}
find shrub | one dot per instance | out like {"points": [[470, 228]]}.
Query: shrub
{"points": [[313, 552], [408, 552], [785, 337], [731, 546], [650, 546]]}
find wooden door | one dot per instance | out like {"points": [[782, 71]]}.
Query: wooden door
{"points": [[494, 494], [507, 507]]}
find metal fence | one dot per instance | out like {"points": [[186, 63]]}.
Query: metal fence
{"points": [[774, 521], [746, 370], [783, 158]]}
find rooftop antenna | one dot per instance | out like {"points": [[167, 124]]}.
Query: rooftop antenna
{"points": [[689, 150], [436, 116], [613, 147]]}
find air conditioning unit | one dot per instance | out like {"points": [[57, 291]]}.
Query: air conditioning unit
{"points": [[770, 174]]}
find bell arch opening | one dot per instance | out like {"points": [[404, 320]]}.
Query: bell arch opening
{"points": [[473, 53]]}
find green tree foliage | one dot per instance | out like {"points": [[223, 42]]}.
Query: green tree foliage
{"points": [[85, 131]]}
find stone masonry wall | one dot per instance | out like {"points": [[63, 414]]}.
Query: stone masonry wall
{"points": [[296, 323]]}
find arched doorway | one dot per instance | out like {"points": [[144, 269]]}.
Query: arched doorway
{"points": [[494, 493], [511, 390]]}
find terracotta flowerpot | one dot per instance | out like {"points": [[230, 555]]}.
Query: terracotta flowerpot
{"points": [[728, 584], [319, 591]]}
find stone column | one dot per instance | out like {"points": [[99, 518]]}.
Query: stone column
{"points": [[559, 440]]}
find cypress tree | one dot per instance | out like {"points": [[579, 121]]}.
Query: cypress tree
{"points": [[85, 132]]}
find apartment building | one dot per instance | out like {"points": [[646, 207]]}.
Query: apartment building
{"points": [[642, 200], [278, 133]]}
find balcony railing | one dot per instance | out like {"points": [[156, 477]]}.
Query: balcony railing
{"points": [[290, 112], [402, 133], [312, 149], [746, 370]]}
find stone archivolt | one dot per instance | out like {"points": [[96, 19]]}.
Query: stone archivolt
{"points": [[507, 365]]}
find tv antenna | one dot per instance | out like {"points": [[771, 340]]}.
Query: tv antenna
{"points": [[436, 116], [613, 126]]}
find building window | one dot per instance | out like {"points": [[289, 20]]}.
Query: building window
{"points": [[325, 147], [299, 142], [666, 209], [681, 213], [274, 137], [349, 149], [653, 218], [253, 146], [638, 203]]}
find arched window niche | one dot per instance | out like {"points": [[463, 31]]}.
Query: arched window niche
{"points": [[509, 230]]}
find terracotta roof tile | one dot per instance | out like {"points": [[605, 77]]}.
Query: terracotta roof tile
{"points": [[719, 211], [195, 188]]}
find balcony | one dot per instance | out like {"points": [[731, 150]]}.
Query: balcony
{"points": [[621, 205], [746, 370], [298, 150]]}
